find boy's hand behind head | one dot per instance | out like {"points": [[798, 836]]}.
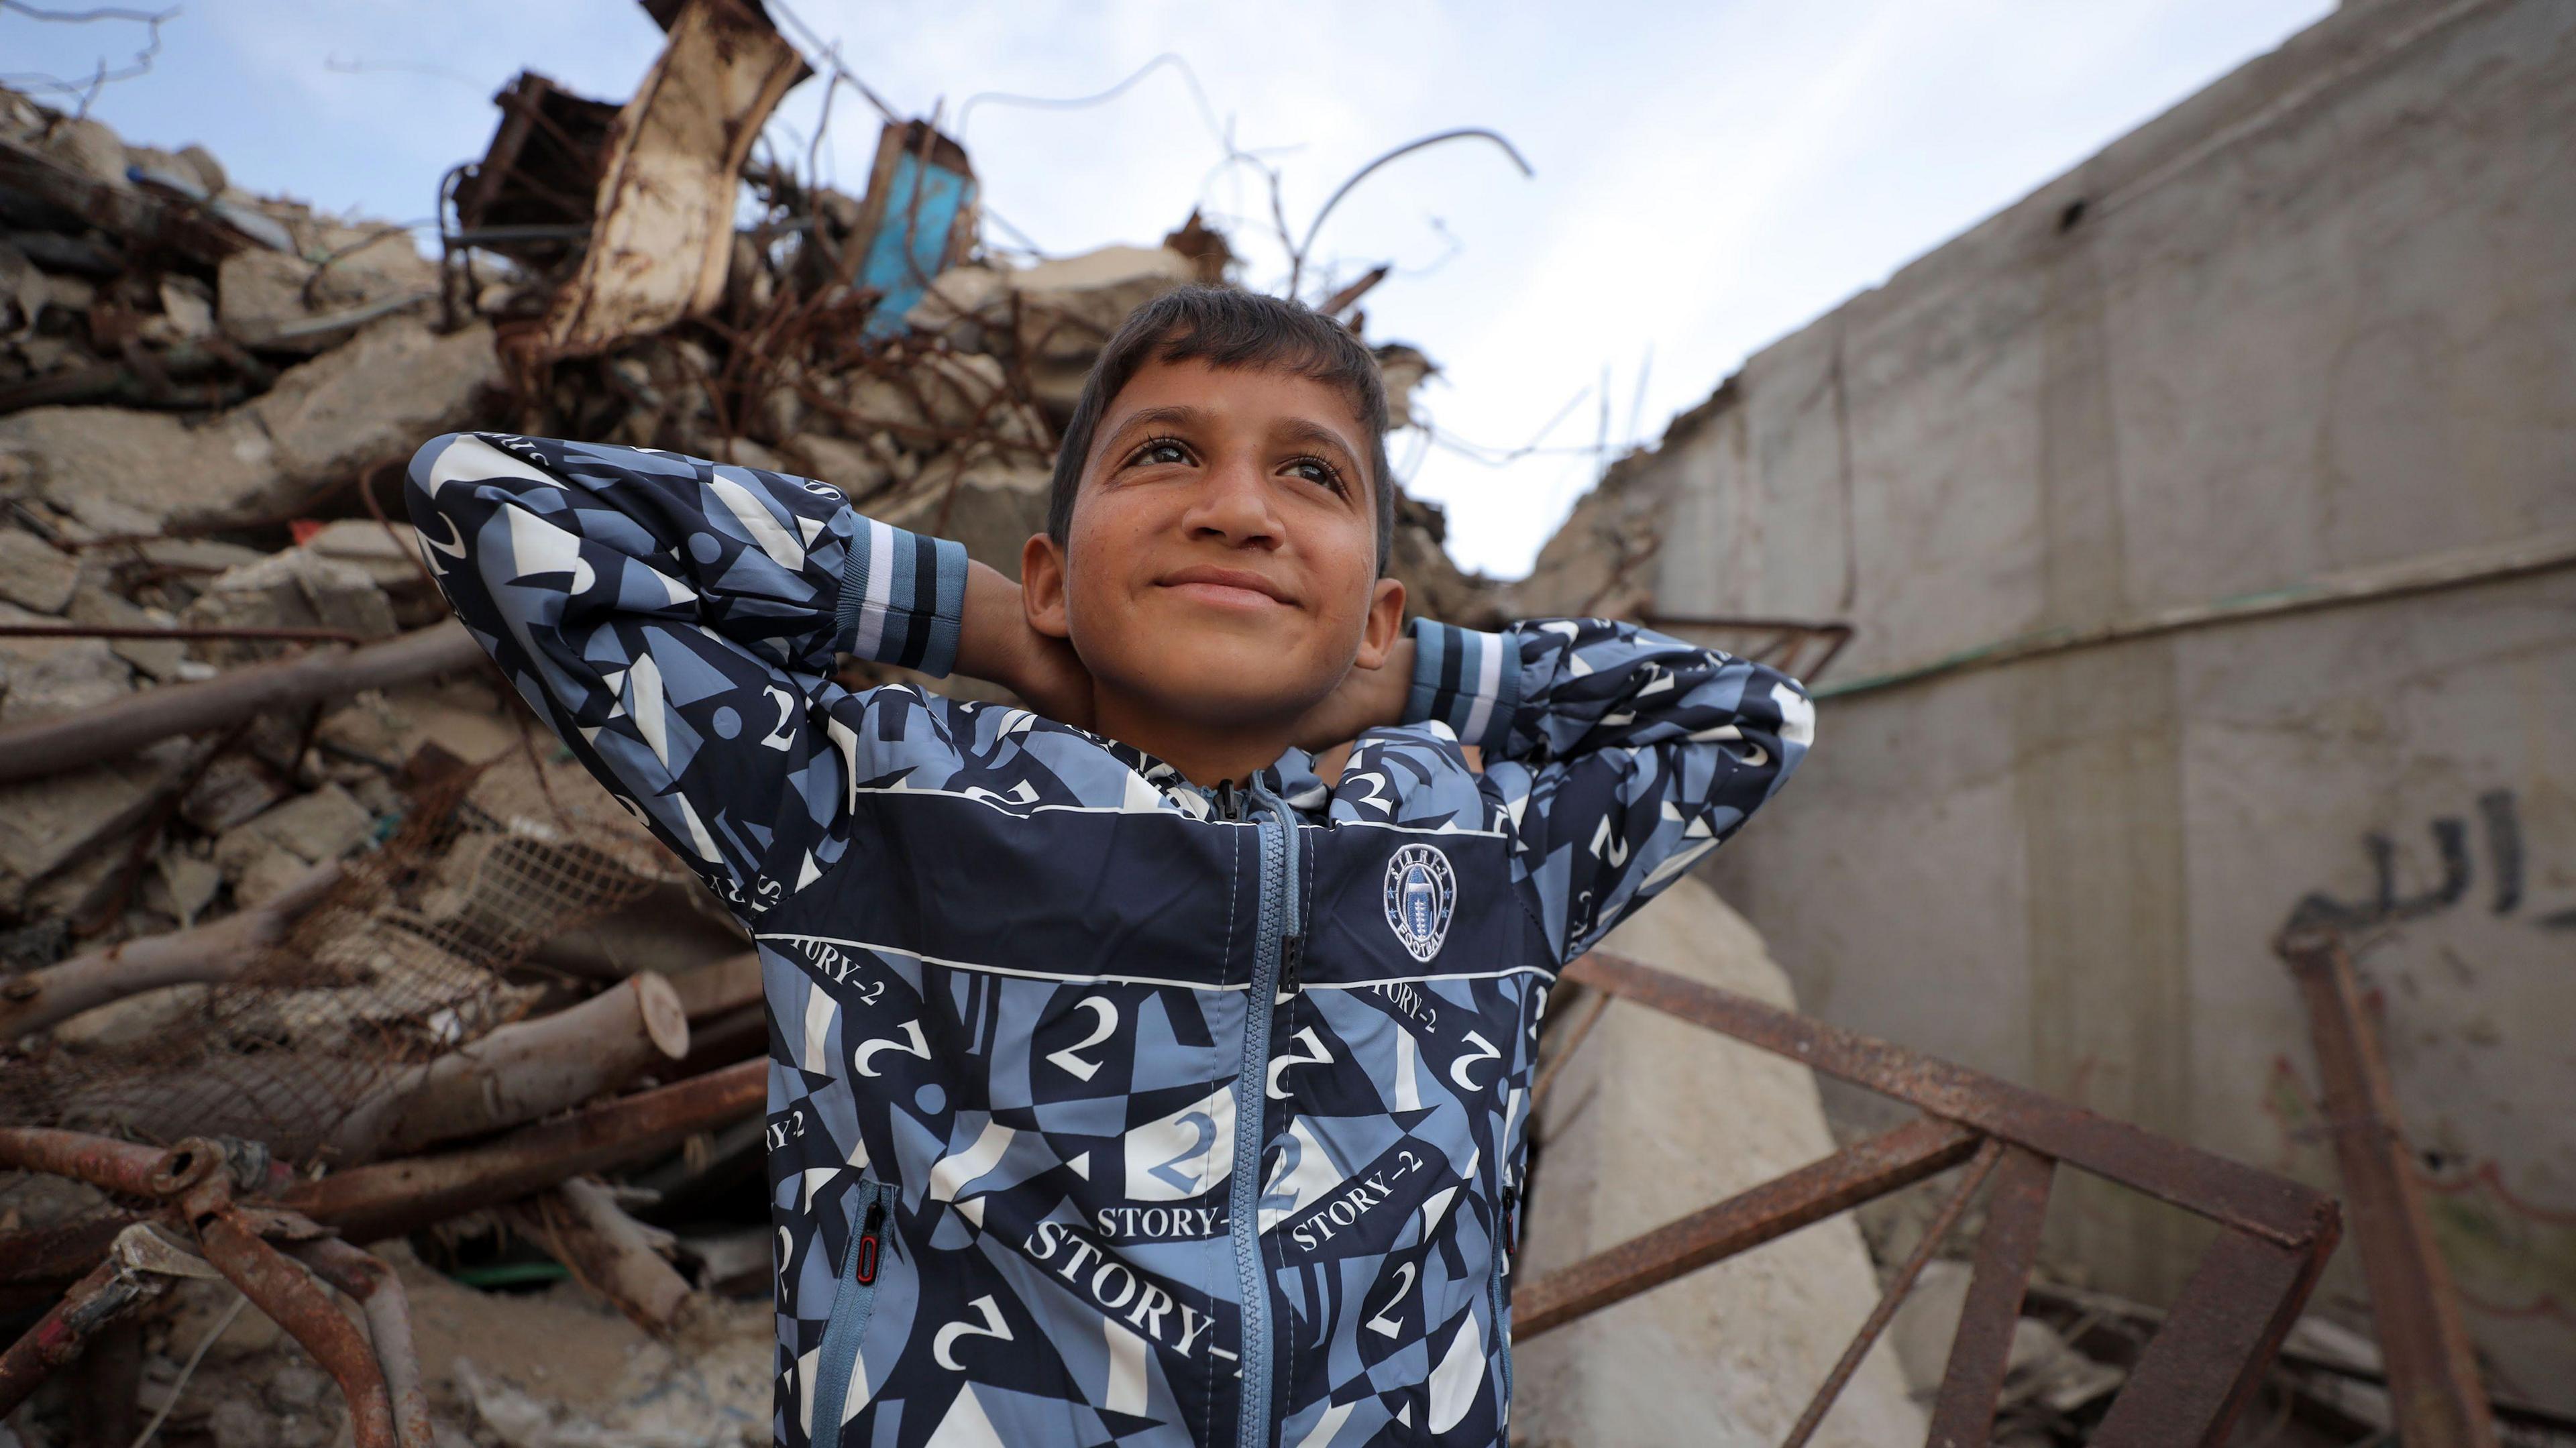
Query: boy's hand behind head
{"points": [[1219, 578]]}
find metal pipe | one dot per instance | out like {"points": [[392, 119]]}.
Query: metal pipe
{"points": [[109, 1165], [377, 1289], [282, 1290]]}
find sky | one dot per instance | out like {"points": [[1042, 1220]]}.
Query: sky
{"points": [[1706, 177]]}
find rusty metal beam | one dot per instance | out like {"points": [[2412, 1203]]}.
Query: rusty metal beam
{"points": [[1964, 1415], [1774, 1209], [2434, 1392], [2227, 1192], [2204, 1363]]}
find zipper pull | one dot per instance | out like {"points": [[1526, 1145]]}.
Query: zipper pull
{"points": [[1511, 1223], [1292, 957], [866, 1246]]}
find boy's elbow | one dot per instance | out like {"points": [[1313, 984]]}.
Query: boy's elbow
{"points": [[422, 480]]}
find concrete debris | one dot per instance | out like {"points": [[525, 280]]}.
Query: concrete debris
{"points": [[374, 400]]}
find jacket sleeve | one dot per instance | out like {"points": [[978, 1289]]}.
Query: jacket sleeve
{"points": [[1620, 757], [675, 620]]}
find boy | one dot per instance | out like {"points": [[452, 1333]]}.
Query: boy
{"points": [[1131, 1082]]}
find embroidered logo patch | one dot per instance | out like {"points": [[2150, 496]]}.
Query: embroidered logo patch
{"points": [[1421, 890]]}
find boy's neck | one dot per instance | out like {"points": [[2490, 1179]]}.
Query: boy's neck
{"points": [[1206, 755]]}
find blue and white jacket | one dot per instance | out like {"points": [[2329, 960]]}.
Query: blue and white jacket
{"points": [[1102, 1108]]}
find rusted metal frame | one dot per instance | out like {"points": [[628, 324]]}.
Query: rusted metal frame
{"points": [[111, 1290], [1774, 1209], [2208, 1357], [279, 1288], [378, 1291], [1964, 1414], [1935, 1233], [2227, 1192], [2434, 1390]]}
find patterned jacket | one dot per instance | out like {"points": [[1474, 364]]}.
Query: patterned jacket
{"points": [[1103, 1108]]}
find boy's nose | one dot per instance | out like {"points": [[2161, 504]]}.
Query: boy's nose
{"points": [[1233, 503]]}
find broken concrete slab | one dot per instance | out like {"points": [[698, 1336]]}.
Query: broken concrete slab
{"points": [[233, 790], [373, 400], [294, 588], [35, 575], [48, 677], [322, 825], [1728, 1354], [48, 823], [120, 470], [162, 660]]}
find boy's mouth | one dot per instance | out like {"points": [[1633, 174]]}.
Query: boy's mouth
{"points": [[1226, 587]]}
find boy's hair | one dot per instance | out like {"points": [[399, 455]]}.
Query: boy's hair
{"points": [[1225, 327]]}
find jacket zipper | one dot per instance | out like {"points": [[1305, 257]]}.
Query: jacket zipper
{"points": [[1279, 927], [1506, 1257], [838, 1356]]}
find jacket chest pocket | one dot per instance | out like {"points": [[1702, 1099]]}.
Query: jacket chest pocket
{"points": [[837, 1360]]}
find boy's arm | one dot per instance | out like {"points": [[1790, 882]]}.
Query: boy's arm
{"points": [[1621, 756], [674, 621]]}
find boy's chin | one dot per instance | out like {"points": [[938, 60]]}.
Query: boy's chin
{"points": [[1229, 689]]}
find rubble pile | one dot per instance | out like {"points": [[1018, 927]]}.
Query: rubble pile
{"points": [[297, 906]]}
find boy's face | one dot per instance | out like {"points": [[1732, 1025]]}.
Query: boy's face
{"points": [[1221, 563]]}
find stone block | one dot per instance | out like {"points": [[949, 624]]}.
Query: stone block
{"points": [[376, 398]]}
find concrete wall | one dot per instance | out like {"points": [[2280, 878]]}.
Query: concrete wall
{"points": [[2320, 316]]}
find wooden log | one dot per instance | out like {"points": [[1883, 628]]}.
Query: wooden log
{"points": [[124, 725], [388, 1199], [204, 954], [536, 1068], [719, 988], [580, 1225]]}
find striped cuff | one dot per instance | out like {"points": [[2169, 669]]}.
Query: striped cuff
{"points": [[1467, 680], [903, 597]]}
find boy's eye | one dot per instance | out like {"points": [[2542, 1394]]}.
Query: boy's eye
{"points": [[1157, 451], [1316, 470]]}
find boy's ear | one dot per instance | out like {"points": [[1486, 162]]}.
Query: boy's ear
{"points": [[1385, 623], [1042, 586]]}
